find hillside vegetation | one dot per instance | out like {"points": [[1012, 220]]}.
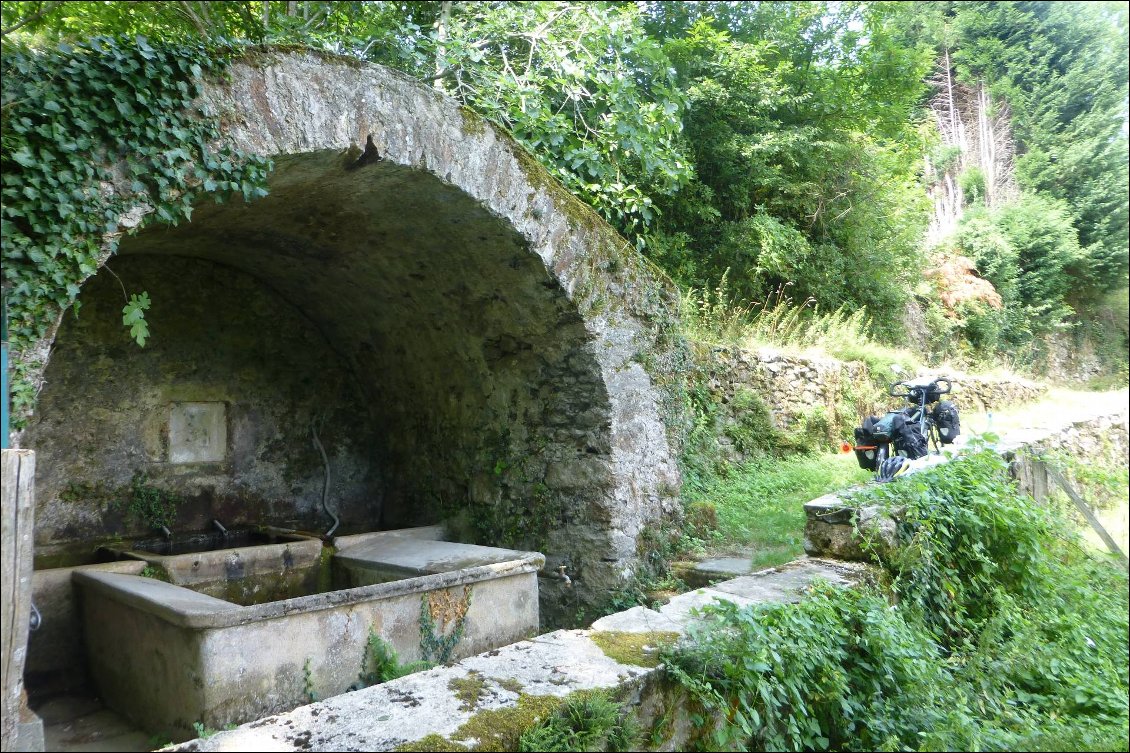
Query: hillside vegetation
{"points": [[952, 177]]}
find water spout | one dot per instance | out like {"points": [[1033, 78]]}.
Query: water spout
{"points": [[167, 532], [561, 574], [220, 526]]}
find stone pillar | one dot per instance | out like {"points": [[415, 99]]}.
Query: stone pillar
{"points": [[18, 504]]}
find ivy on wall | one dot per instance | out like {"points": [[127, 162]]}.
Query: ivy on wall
{"points": [[90, 130]]}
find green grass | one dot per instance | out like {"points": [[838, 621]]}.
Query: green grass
{"points": [[760, 505]]}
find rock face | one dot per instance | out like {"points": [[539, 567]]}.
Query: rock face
{"points": [[467, 335]]}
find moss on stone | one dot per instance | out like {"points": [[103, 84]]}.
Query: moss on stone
{"points": [[432, 742], [639, 649], [511, 684], [501, 729], [468, 690], [473, 123]]}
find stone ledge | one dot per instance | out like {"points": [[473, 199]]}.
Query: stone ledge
{"points": [[442, 702]]}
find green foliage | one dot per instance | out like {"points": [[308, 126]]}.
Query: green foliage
{"points": [[713, 316], [758, 505], [1063, 69], [972, 183], [1029, 250], [996, 631], [381, 663], [147, 504], [133, 316], [587, 92], [308, 677], [157, 573], [585, 722], [800, 178], [104, 111]]}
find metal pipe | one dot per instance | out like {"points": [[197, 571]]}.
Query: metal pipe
{"points": [[326, 481], [220, 526], [167, 532]]}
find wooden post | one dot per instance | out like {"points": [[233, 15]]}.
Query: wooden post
{"points": [[1112, 545], [18, 505]]}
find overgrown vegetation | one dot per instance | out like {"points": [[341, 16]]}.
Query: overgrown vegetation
{"points": [[587, 721], [777, 145], [92, 129], [381, 663], [150, 505], [758, 506], [996, 630]]}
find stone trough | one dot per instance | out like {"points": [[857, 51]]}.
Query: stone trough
{"points": [[170, 654]]}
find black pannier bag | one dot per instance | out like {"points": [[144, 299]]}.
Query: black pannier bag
{"points": [[905, 435], [949, 425], [865, 438]]}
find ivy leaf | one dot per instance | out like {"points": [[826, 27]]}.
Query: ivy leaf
{"points": [[24, 157], [133, 316]]}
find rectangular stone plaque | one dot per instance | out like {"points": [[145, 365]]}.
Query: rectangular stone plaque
{"points": [[198, 432]]}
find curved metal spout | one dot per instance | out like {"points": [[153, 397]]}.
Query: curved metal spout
{"points": [[167, 532], [220, 526]]}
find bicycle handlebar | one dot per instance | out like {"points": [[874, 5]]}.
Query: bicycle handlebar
{"points": [[909, 385]]}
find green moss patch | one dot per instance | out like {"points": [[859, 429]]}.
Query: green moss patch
{"points": [[468, 690], [639, 649], [432, 742], [501, 729]]}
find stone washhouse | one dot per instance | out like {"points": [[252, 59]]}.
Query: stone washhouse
{"points": [[442, 335]]}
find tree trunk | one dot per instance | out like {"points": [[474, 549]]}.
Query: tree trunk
{"points": [[442, 25]]}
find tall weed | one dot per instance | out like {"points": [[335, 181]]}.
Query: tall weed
{"points": [[712, 316]]}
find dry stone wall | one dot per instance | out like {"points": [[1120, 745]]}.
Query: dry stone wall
{"points": [[820, 398]]}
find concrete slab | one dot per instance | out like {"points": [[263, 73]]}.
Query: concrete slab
{"points": [[680, 609], [426, 556], [788, 583], [636, 620], [78, 723], [556, 664]]}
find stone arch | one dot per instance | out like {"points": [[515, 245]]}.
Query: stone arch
{"points": [[493, 328]]}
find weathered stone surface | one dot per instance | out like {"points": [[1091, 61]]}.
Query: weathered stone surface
{"points": [[400, 714], [474, 333], [166, 656], [800, 389]]}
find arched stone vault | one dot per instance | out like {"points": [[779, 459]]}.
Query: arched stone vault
{"points": [[481, 331]]}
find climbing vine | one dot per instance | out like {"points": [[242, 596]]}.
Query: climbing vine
{"points": [[89, 131], [438, 610]]}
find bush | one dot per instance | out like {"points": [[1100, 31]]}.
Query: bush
{"points": [[995, 631]]}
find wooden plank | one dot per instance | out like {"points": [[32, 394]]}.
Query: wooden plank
{"points": [[17, 505], [1084, 508]]}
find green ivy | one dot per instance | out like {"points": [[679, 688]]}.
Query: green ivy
{"points": [[81, 118], [435, 646]]}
